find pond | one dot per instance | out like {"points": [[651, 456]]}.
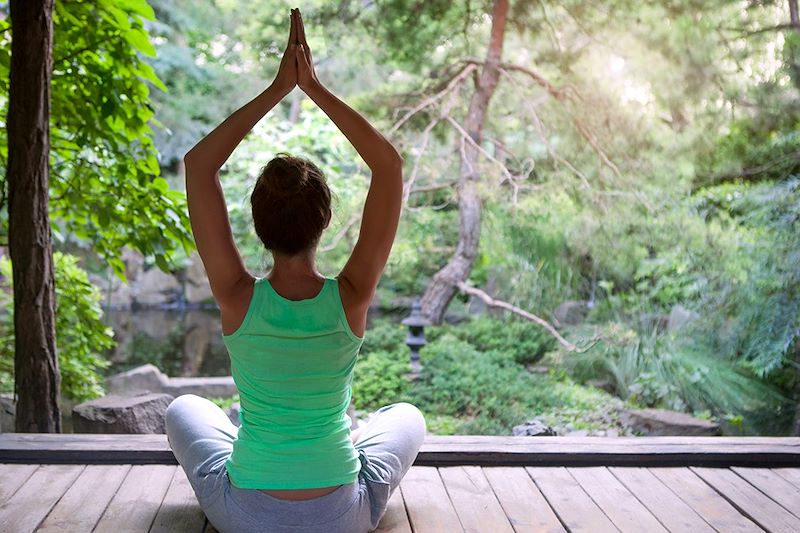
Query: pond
{"points": [[180, 343]]}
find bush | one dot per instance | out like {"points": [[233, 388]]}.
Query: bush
{"points": [[380, 379], [81, 335], [655, 369], [523, 341], [490, 393]]}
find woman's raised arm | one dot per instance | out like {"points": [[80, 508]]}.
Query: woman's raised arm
{"points": [[208, 213], [384, 199]]}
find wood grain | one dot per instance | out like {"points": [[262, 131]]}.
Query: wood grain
{"points": [[574, 507], [755, 504], [714, 509], [23, 511], [143, 490], [665, 505], [86, 499], [523, 503], [474, 500], [429, 507]]}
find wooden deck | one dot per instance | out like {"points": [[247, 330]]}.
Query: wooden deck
{"points": [[116, 484]]}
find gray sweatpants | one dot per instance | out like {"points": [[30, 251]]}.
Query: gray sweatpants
{"points": [[201, 437]]}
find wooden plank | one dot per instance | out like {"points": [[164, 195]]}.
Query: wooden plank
{"points": [[23, 511], [137, 500], [574, 507], [714, 509], [749, 500], [792, 475], [395, 520], [523, 503], [665, 505], [429, 507], [774, 486], [474, 500], [12, 477], [616, 501], [448, 450], [84, 502], [179, 511]]}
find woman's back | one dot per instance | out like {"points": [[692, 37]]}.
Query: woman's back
{"points": [[293, 362]]}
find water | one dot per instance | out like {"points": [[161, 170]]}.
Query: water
{"points": [[187, 343]]}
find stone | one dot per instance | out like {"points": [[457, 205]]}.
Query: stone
{"points": [[578, 433], [198, 331], [533, 428], [679, 317], [145, 378], [570, 313], [8, 411], [134, 263], [233, 413], [116, 295], [661, 422], [208, 387], [196, 288], [148, 378], [143, 413], [155, 287]]}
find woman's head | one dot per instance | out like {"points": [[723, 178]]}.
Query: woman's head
{"points": [[291, 205]]}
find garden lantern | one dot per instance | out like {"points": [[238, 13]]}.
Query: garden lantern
{"points": [[415, 339]]}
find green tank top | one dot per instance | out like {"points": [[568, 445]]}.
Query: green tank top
{"points": [[293, 362]]}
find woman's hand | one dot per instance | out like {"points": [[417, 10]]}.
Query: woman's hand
{"points": [[286, 78], [306, 77]]}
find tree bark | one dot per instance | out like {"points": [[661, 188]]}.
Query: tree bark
{"points": [[443, 287], [793, 14], [36, 372]]}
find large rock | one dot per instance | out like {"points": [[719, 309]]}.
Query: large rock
{"points": [[148, 378], [659, 422], [143, 413], [533, 428], [196, 289], [145, 378], [155, 287]]}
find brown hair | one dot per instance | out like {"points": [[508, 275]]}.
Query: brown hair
{"points": [[291, 205]]}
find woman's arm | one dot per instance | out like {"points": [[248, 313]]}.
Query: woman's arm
{"points": [[384, 200], [208, 212]]}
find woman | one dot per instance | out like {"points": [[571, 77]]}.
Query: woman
{"points": [[293, 336]]}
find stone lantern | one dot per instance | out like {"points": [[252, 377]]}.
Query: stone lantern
{"points": [[415, 339]]}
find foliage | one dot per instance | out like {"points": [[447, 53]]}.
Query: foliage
{"points": [[489, 393], [81, 335], [380, 379], [654, 369], [523, 341], [105, 188]]}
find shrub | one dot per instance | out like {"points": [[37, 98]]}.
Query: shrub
{"points": [[380, 379], [81, 335], [523, 341]]}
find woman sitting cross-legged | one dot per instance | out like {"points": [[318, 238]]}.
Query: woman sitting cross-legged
{"points": [[293, 336]]}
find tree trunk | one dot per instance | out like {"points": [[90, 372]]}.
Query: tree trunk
{"points": [[793, 15], [443, 286], [36, 373]]}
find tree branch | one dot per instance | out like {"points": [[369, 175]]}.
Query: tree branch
{"points": [[342, 232], [434, 187], [422, 146], [492, 302], [458, 78]]}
